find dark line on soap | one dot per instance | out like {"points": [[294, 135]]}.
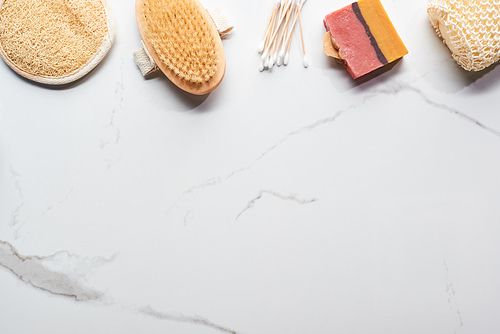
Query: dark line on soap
{"points": [[380, 54]]}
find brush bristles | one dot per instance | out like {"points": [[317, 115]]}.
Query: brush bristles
{"points": [[181, 38]]}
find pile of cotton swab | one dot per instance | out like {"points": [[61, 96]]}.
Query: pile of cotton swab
{"points": [[275, 46]]}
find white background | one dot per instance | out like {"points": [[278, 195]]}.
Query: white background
{"points": [[290, 201]]}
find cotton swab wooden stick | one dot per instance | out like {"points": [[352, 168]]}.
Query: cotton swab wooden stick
{"points": [[283, 35], [272, 58], [271, 28], [264, 39], [270, 25], [288, 36], [305, 61], [268, 38], [269, 32], [269, 55], [276, 31], [284, 29], [289, 39]]}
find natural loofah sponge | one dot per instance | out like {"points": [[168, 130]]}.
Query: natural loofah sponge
{"points": [[54, 41], [183, 40], [471, 29]]}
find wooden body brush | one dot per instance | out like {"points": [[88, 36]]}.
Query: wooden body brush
{"points": [[182, 39]]}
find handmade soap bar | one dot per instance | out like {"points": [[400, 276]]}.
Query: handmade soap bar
{"points": [[470, 29], [364, 37]]}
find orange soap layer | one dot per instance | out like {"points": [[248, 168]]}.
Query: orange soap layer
{"points": [[382, 29]]}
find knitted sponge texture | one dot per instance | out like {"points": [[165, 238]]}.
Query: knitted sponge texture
{"points": [[181, 38], [470, 28], [52, 38]]}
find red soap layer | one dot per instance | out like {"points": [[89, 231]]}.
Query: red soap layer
{"points": [[356, 49]]}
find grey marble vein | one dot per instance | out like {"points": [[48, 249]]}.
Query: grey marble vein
{"points": [[43, 273], [35, 271], [450, 291], [188, 216], [60, 202], [15, 220], [390, 89], [220, 179], [399, 87], [291, 197], [114, 130], [195, 320]]}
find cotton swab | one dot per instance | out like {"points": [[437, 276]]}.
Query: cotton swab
{"points": [[264, 39], [305, 61], [280, 46], [270, 26], [289, 39], [275, 45], [269, 56], [277, 30]]}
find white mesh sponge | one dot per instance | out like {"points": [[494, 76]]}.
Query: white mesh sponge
{"points": [[470, 28]]}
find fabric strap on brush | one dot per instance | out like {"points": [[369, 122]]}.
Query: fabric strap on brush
{"points": [[221, 20]]}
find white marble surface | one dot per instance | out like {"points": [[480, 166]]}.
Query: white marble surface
{"points": [[291, 201]]}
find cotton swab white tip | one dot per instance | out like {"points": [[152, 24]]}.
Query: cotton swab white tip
{"points": [[286, 59], [264, 55], [306, 62], [261, 66], [261, 47], [281, 54], [270, 63], [279, 62]]}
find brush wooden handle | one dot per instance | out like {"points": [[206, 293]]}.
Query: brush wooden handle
{"points": [[193, 88]]}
